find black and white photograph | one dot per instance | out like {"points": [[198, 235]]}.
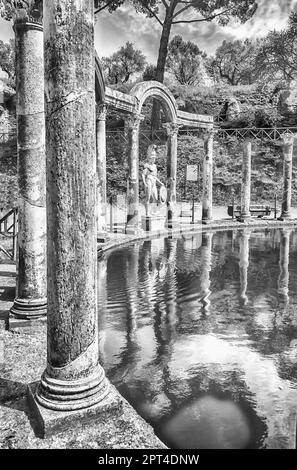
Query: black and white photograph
{"points": [[148, 230]]}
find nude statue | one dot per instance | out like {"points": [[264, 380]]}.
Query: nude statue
{"points": [[150, 179]]}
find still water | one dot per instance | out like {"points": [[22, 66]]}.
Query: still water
{"points": [[199, 334]]}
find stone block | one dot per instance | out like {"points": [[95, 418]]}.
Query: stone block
{"points": [[47, 422], [153, 223]]}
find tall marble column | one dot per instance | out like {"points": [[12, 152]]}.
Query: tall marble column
{"points": [[73, 379], [133, 125], [205, 271], [207, 177], [30, 299], [101, 172], [244, 248], [288, 142], [246, 181], [172, 131], [283, 279]]}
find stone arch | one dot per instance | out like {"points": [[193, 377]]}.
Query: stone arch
{"points": [[99, 81], [156, 90]]}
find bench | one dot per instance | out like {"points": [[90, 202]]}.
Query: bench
{"points": [[255, 211]]}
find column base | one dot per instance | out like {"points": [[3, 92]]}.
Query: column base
{"points": [[244, 218], [102, 237], [133, 230], [28, 309], [284, 217], [48, 422], [153, 223], [206, 221], [173, 224]]}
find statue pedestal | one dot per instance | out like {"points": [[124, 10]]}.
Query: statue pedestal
{"points": [[153, 223]]}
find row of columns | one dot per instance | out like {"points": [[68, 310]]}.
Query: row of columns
{"points": [[73, 378], [58, 194], [288, 143]]}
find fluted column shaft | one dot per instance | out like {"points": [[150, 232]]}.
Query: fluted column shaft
{"points": [[172, 132], [101, 171], [207, 177], [73, 378], [30, 299], [246, 181], [288, 142], [133, 125]]}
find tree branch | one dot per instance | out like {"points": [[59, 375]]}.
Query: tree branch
{"points": [[151, 11], [165, 4], [182, 10], [209, 18], [103, 8]]}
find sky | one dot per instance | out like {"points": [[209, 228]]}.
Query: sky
{"points": [[114, 30]]}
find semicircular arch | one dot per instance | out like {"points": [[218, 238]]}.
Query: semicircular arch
{"points": [[153, 89]]}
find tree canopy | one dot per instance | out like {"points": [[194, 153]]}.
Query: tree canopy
{"points": [[235, 62], [7, 58], [277, 57], [185, 61], [120, 66]]}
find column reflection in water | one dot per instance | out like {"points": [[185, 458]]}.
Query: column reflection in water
{"points": [[244, 248], [102, 305], [132, 261], [170, 246], [205, 271], [283, 279]]}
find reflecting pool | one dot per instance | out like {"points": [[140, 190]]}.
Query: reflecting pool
{"points": [[199, 334]]}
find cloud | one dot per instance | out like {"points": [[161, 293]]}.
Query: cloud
{"points": [[113, 30]]}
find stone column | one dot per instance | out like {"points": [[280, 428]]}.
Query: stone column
{"points": [[73, 379], [172, 131], [244, 246], [101, 172], [205, 271], [133, 124], [30, 299], [207, 177], [246, 181], [288, 142], [283, 279]]}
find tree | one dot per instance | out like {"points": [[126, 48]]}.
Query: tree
{"points": [[169, 13], [277, 57], [185, 61], [172, 12], [7, 58], [123, 64], [149, 73], [234, 62]]}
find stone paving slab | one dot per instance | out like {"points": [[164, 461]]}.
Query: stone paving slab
{"points": [[22, 360]]}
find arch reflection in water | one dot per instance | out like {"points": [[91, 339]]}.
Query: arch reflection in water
{"points": [[232, 370]]}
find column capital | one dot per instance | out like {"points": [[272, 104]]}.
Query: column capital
{"points": [[101, 110], [208, 133], [133, 121], [26, 13], [171, 128], [288, 138]]}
